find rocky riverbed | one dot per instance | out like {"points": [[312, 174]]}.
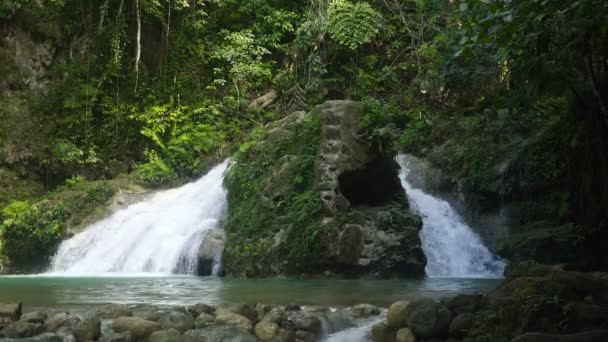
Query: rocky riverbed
{"points": [[535, 303]]}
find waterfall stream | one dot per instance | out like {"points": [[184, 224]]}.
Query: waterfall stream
{"points": [[452, 248], [160, 235]]}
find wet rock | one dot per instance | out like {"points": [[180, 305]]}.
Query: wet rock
{"points": [[405, 335], [139, 328], [88, 329], [244, 310], [365, 310], [266, 331], [262, 309], [34, 317], [305, 336], [382, 333], [115, 337], [306, 321], [46, 337], [276, 315], [112, 311], [170, 335], [21, 329], [11, 311], [464, 303], [203, 320], [210, 249], [216, 333], [227, 317], [397, 315], [589, 336], [428, 318], [292, 307], [61, 319], [461, 324], [177, 320], [198, 309]]}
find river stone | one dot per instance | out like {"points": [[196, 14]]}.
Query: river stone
{"points": [[34, 317], [112, 311], [198, 309], [365, 310], [227, 317], [461, 324], [464, 303], [170, 335], [382, 333], [88, 329], [397, 315], [305, 336], [306, 321], [139, 328], [46, 337], [405, 335], [177, 320], [244, 310], [217, 333], [12, 311], [262, 309], [203, 320], [276, 315], [23, 329], [61, 319], [428, 318], [266, 330]]}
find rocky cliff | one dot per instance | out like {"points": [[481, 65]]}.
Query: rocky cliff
{"points": [[310, 196]]}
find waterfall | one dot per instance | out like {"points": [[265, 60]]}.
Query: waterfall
{"points": [[160, 235], [452, 248]]}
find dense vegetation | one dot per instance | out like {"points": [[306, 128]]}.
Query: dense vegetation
{"points": [[508, 96]]}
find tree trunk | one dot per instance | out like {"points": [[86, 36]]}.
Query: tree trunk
{"points": [[138, 51]]}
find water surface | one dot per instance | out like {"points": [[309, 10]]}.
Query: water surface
{"points": [[73, 293]]}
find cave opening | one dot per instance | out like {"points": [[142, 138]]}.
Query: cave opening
{"points": [[377, 184]]}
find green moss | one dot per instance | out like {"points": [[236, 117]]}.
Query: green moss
{"points": [[255, 219]]}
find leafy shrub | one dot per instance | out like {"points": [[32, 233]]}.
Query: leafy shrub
{"points": [[353, 24], [186, 152], [29, 233], [153, 173]]}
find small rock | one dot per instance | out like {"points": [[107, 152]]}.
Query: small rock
{"points": [[139, 328], [227, 317], [198, 309], [292, 307], [46, 337], [266, 330], [405, 335], [23, 329], [397, 315], [61, 319], [170, 335], [88, 329], [461, 325], [305, 336], [216, 333], [365, 310], [262, 309], [112, 311], [34, 317], [306, 321], [203, 320], [12, 311], [177, 320], [382, 333]]}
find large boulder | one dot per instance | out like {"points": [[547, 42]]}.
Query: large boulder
{"points": [[22, 329], [34, 317], [461, 325], [365, 310], [269, 331], [227, 317], [177, 320], [139, 328], [203, 320], [170, 335], [218, 333], [397, 315], [11, 311], [305, 321], [428, 318], [61, 320], [383, 333], [405, 335], [89, 329]]}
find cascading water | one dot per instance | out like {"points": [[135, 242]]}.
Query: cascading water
{"points": [[451, 247], [161, 235]]}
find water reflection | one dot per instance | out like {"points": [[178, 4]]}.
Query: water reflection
{"points": [[73, 293]]}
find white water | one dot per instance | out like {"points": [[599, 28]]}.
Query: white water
{"points": [[452, 248], [160, 235]]}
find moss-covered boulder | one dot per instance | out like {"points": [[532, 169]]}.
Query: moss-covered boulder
{"points": [[308, 196]]}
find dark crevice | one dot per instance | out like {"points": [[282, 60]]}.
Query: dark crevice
{"points": [[377, 184]]}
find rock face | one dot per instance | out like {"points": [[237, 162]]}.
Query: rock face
{"points": [[210, 250]]}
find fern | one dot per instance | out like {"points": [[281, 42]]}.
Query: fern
{"points": [[354, 24]]}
